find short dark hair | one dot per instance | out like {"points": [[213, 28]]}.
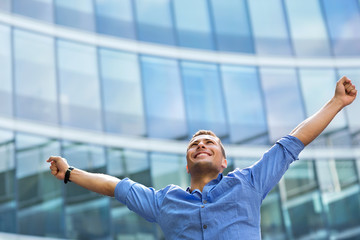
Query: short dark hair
{"points": [[211, 133]]}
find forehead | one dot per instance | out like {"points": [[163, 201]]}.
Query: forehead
{"points": [[203, 137]]}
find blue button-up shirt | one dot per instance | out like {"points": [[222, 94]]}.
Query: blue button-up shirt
{"points": [[227, 208]]}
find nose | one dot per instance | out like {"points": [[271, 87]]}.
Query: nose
{"points": [[201, 144]]}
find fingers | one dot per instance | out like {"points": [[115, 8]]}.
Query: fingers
{"points": [[350, 88]]}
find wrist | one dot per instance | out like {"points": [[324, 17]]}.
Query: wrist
{"points": [[67, 175]]}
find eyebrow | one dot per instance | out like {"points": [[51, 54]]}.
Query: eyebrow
{"points": [[198, 140]]}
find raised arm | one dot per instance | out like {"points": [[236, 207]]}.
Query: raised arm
{"points": [[309, 129], [96, 182]]}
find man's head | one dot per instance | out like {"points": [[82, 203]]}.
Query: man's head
{"points": [[205, 151]]}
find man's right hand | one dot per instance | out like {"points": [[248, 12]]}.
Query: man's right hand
{"points": [[58, 166]]}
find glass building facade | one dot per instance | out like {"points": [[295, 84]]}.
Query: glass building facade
{"points": [[119, 87]]}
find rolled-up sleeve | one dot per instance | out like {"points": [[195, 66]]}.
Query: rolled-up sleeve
{"points": [[267, 172], [138, 198]]}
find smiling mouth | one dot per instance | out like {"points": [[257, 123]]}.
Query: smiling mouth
{"points": [[196, 155]]}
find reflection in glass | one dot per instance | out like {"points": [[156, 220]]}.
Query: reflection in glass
{"points": [[307, 28], [39, 193], [352, 111], [35, 83], [300, 178], [343, 23], [283, 101], [306, 216], [40, 9], [78, 14], [317, 86], [231, 23], [269, 27], [115, 17], [272, 226], [168, 169], [83, 207], [79, 86], [164, 101], [5, 73], [242, 92], [121, 86], [7, 183], [204, 98], [193, 24], [154, 21]]}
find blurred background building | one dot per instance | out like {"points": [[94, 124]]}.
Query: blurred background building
{"points": [[119, 87]]}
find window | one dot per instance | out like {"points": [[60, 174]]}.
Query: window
{"points": [[244, 104], [204, 98], [343, 22], [5, 73], [307, 28], [35, 83], [115, 17], [283, 101], [163, 95], [231, 23], [77, 14], [154, 21], [269, 27], [40, 9], [193, 24], [79, 86], [121, 86]]}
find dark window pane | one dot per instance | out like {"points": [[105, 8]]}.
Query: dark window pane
{"points": [[40, 9]]}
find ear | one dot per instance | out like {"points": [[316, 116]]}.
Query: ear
{"points": [[224, 163]]}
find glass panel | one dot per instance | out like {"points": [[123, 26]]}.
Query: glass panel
{"points": [[307, 28], [7, 183], [246, 121], [272, 226], [78, 14], [269, 27], [352, 111], [282, 116], [193, 24], [318, 86], [129, 163], [35, 83], [39, 193], [169, 169], [343, 23], [300, 178], [203, 98], [163, 95], [346, 172], [344, 210], [5, 73], [79, 86], [40, 9], [122, 92], [88, 220], [231, 22], [5, 5], [154, 21], [305, 214], [115, 17]]}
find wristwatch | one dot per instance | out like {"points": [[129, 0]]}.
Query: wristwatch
{"points": [[67, 175]]}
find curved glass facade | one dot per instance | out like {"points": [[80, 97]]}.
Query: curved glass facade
{"points": [[119, 86]]}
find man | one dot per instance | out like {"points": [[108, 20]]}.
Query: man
{"points": [[214, 206]]}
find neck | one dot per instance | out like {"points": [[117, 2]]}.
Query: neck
{"points": [[198, 181]]}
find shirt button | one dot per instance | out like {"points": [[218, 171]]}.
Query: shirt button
{"points": [[202, 206], [205, 226], [205, 202]]}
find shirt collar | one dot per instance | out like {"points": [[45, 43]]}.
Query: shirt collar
{"points": [[212, 182]]}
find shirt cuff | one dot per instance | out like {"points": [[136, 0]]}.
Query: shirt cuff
{"points": [[292, 144], [122, 189]]}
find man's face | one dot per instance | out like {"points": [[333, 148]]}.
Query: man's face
{"points": [[204, 152]]}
